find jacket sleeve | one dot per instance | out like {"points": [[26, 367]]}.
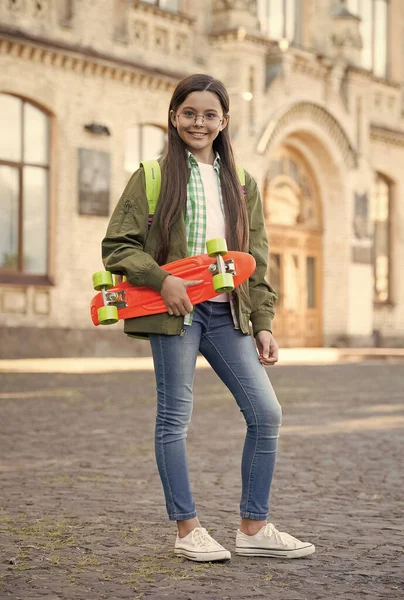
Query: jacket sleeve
{"points": [[123, 244], [262, 295]]}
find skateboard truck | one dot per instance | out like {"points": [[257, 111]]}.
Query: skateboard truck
{"points": [[117, 299], [223, 266]]}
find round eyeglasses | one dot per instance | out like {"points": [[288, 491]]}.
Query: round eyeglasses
{"points": [[210, 120]]}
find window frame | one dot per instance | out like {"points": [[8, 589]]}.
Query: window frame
{"points": [[358, 11], [140, 141], [297, 33], [19, 277]]}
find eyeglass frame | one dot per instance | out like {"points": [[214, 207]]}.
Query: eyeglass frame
{"points": [[177, 115]]}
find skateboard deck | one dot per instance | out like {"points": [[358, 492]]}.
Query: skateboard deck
{"points": [[135, 301]]}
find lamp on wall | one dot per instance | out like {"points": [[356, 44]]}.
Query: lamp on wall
{"points": [[97, 129]]}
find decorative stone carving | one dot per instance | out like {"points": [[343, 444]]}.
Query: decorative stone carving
{"points": [[320, 116], [161, 40], [346, 40], [231, 14], [141, 34], [40, 8]]}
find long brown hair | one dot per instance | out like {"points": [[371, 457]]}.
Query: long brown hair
{"points": [[173, 195]]}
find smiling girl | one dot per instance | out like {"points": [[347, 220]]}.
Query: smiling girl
{"points": [[201, 199]]}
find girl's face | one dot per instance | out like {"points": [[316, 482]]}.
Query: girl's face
{"points": [[199, 120]]}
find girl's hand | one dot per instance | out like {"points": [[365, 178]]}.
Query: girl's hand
{"points": [[267, 347], [174, 294]]}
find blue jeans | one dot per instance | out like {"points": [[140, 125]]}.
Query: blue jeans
{"points": [[234, 358]]}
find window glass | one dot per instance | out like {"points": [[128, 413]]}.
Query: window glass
{"points": [[278, 18], [36, 136], [381, 238], [143, 142], [23, 187], [380, 43], [35, 222], [9, 198], [275, 276], [367, 33], [373, 29], [311, 281], [290, 19], [10, 128]]}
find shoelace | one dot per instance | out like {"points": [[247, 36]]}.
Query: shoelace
{"points": [[281, 537], [202, 537]]}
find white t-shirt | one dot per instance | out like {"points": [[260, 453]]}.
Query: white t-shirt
{"points": [[215, 226]]}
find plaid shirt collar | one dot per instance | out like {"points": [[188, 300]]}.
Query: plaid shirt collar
{"points": [[192, 162]]}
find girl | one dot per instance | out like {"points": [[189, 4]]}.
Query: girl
{"points": [[201, 198]]}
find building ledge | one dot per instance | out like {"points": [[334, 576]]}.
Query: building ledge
{"points": [[85, 55]]}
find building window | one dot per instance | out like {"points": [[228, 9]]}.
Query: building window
{"points": [[171, 5], [143, 142], [381, 218], [374, 23], [24, 189], [279, 19]]}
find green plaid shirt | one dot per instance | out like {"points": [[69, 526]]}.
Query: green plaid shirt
{"points": [[195, 215]]}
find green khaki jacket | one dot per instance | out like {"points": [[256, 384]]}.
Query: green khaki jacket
{"points": [[130, 249]]}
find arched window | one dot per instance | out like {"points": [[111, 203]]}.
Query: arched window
{"points": [[143, 142], [381, 218], [280, 19], [24, 189], [374, 23]]}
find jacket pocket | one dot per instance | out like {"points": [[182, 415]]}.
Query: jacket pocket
{"points": [[126, 210]]}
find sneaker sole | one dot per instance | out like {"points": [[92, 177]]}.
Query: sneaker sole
{"points": [[220, 555], [272, 553]]}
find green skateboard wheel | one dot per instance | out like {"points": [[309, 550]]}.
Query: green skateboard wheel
{"points": [[108, 315], [102, 279], [223, 283], [216, 246]]}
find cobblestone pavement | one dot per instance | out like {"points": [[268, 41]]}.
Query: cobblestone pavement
{"points": [[82, 515]]}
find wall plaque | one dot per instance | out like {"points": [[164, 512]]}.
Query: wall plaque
{"points": [[94, 182]]}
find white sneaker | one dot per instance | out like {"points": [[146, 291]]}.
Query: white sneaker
{"points": [[271, 542], [200, 546]]}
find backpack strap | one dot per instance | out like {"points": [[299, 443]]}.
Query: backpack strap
{"points": [[241, 175], [152, 174]]}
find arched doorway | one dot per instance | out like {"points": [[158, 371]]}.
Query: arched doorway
{"points": [[293, 219]]}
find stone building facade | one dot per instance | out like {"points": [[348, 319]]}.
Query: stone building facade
{"points": [[317, 117]]}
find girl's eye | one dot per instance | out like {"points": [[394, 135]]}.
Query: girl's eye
{"points": [[189, 113], [211, 116]]}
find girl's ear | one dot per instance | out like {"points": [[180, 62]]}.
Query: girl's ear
{"points": [[224, 123], [173, 118]]}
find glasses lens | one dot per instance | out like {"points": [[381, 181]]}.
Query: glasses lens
{"points": [[188, 118]]}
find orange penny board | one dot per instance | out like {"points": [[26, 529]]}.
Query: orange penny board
{"points": [[143, 301]]}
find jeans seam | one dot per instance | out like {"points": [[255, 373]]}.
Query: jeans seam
{"points": [[163, 426], [255, 416]]}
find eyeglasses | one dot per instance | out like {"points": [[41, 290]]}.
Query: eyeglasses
{"points": [[188, 117]]}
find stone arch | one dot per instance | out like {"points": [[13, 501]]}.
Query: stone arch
{"points": [[328, 165], [314, 113]]}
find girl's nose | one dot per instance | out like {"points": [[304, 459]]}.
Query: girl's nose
{"points": [[202, 120]]}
